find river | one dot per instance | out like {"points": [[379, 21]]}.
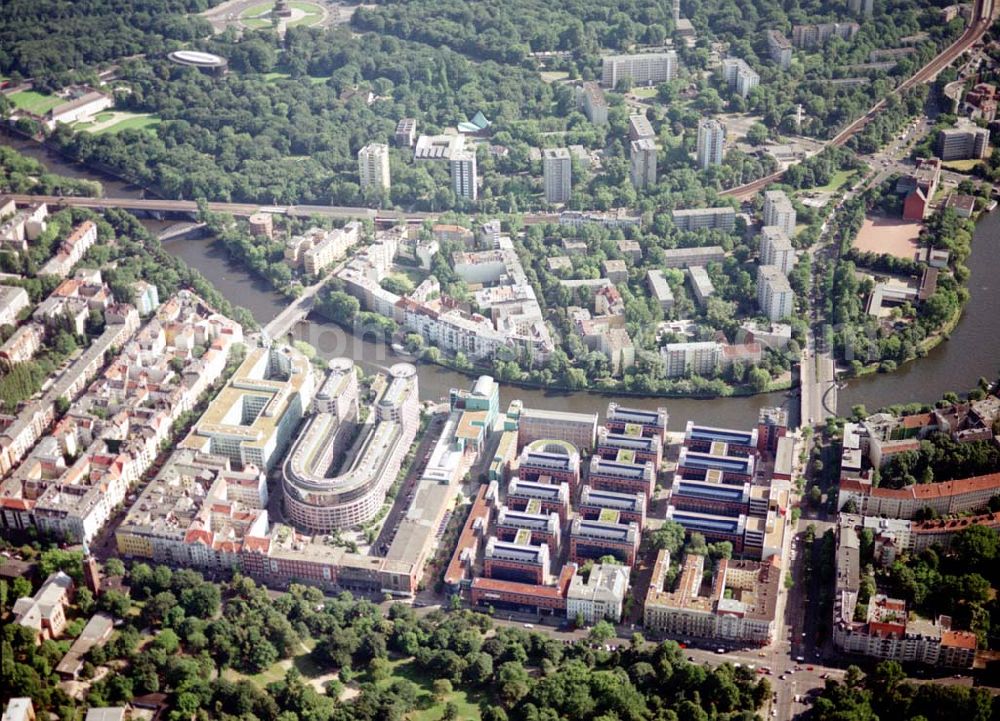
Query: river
{"points": [[972, 351]]}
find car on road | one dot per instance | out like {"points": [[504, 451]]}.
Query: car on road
{"points": [[529, 625], [782, 677], [720, 650]]}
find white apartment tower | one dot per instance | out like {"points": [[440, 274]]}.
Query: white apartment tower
{"points": [[557, 167], [779, 211], [464, 180], [373, 166], [774, 294], [776, 249], [739, 76], [711, 142], [643, 159]]}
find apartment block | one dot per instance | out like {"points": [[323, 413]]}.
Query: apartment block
{"points": [[701, 285], [774, 293], [22, 345], [13, 299], [540, 497], [691, 257], [946, 498], [373, 166], [660, 290], [776, 249], [780, 49], [318, 248], [593, 103], [557, 168], [549, 461], [779, 211], [406, 132], [640, 128], [721, 218], [71, 250], [739, 76], [464, 177], [642, 159], [739, 605], [711, 142], [701, 358], [641, 68], [964, 142], [812, 36]]}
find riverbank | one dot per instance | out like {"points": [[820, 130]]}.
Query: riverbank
{"points": [[972, 350]]}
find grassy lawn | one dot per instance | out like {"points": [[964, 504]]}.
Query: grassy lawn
{"points": [[427, 708], [644, 92], [302, 662], [251, 16], [551, 76], [836, 182], [142, 121], [961, 166], [34, 102]]}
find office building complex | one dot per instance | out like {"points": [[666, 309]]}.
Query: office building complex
{"points": [[772, 424], [642, 68], [621, 476], [592, 540], [596, 505], [711, 142], [738, 606], [373, 166], [739, 76], [779, 212], [464, 178], [642, 163], [549, 461], [638, 421], [774, 293], [519, 561], [557, 168], [253, 418], [323, 491], [533, 424], [629, 447]]}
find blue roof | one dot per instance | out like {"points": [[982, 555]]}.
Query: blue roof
{"points": [[624, 470], [725, 435], [726, 463], [706, 523], [700, 490]]}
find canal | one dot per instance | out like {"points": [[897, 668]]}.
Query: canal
{"points": [[972, 351]]}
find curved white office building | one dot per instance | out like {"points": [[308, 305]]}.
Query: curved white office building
{"points": [[340, 469]]}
